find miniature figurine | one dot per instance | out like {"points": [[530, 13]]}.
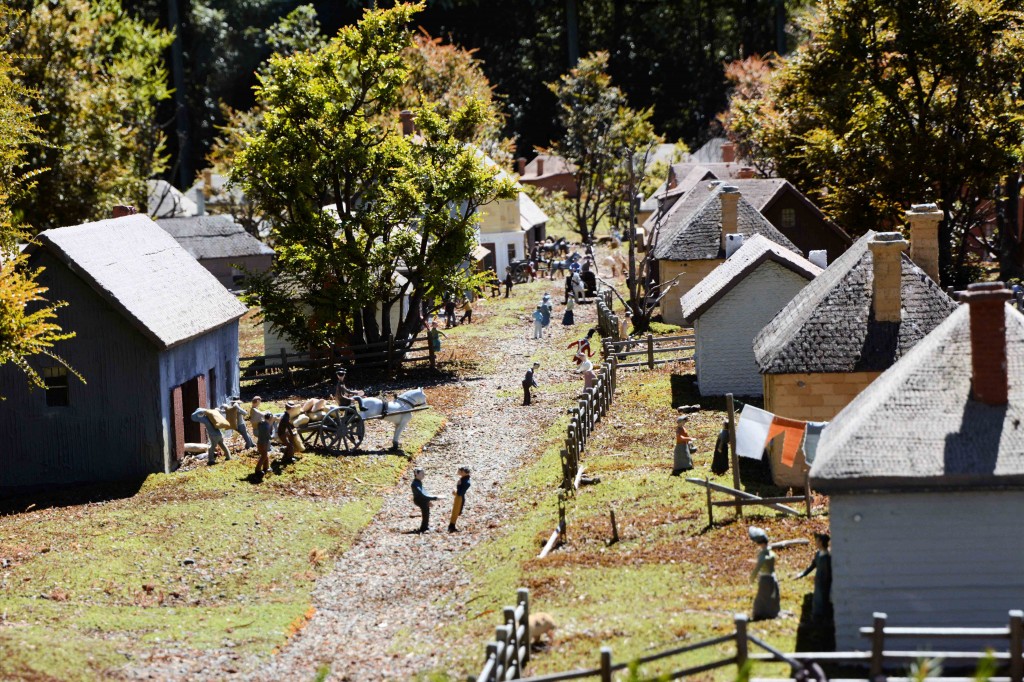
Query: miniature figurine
{"points": [[538, 322], [286, 434], [568, 319], [213, 430], [467, 312], [586, 368], [508, 282], [767, 601], [236, 417], [460, 498], [583, 345], [263, 433], [434, 336], [681, 460], [821, 564], [422, 499], [529, 382], [343, 395], [720, 462]]}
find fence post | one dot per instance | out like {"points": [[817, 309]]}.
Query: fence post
{"points": [[287, 369], [807, 491], [501, 639], [431, 353], [877, 645], [1016, 645], [742, 645], [492, 652], [711, 514], [650, 351], [731, 409], [391, 351], [523, 597], [513, 639], [606, 664]]}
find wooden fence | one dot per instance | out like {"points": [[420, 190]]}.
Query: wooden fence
{"points": [[591, 405], [878, 663], [650, 347], [509, 653], [389, 354], [607, 320]]}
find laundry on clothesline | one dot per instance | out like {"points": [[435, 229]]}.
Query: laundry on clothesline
{"points": [[757, 427]]}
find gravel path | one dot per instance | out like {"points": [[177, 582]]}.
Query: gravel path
{"points": [[382, 587]]}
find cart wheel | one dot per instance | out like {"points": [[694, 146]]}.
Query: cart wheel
{"points": [[352, 430], [329, 438], [311, 439]]}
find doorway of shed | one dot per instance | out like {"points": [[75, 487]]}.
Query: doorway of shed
{"points": [[186, 398], [489, 260]]}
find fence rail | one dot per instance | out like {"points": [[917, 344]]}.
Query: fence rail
{"points": [[387, 354], [650, 347], [591, 405], [875, 662]]}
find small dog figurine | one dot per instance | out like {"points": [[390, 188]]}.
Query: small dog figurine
{"points": [[541, 624]]}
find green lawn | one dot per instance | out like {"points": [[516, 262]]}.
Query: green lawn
{"points": [[670, 579], [194, 560]]}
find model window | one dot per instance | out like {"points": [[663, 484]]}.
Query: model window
{"points": [[511, 252], [56, 382], [788, 217]]}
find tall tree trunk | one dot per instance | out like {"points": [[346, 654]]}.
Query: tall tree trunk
{"points": [[1011, 247]]}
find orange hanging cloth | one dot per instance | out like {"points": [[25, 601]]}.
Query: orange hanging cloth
{"points": [[792, 431]]}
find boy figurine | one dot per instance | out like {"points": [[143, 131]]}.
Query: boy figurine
{"points": [[538, 323], [422, 499], [264, 430], [529, 382], [460, 498]]}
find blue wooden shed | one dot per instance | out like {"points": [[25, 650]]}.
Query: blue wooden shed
{"points": [[156, 337]]}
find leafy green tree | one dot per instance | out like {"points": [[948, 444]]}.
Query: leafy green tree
{"points": [[898, 102], [27, 320], [96, 76], [400, 205], [600, 130]]}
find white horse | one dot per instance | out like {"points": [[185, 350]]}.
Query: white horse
{"points": [[577, 286], [399, 411]]}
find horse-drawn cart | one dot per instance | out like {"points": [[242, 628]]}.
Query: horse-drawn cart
{"points": [[342, 428]]}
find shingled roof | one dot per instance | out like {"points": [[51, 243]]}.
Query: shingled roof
{"points": [[829, 326], [754, 252], [917, 426], [143, 273], [213, 236], [698, 237]]}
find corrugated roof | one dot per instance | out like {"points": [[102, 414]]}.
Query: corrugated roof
{"points": [[828, 326], [698, 237], [214, 236], [916, 426], [751, 255], [146, 275]]}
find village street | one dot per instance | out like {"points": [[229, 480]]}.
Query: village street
{"points": [[393, 586]]}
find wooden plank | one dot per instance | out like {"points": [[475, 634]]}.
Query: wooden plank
{"points": [[741, 494], [623, 354], [762, 500], [730, 407], [957, 633]]}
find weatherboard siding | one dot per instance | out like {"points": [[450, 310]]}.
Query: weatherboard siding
{"points": [[111, 429], [725, 332], [925, 559]]}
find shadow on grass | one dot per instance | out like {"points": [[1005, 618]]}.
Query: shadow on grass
{"points": [[21, 500]]}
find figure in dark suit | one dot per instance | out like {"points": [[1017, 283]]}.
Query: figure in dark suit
{"points": [[422, 499], [529, 382]]}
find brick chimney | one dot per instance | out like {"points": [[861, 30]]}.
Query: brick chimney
{"points": [[745, 173], [521, 165], [122, 211], [987, 303], [924, 222], [730, 197], [887, 292], [728, 152], [540, 166], [408, 127]]}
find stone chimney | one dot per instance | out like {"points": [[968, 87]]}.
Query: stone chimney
{"points": [[728, 152], [122, 211], [887, 295], [745, 173], [540, 166], [987, 303], [521, 165], [924, 222], [408, 127], [730, 197]]}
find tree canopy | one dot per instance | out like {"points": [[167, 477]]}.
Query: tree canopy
{"points": [[891, 103], [403, 209]]}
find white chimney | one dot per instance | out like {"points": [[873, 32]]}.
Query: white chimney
{"points": [[732, 243], [819, 257]]}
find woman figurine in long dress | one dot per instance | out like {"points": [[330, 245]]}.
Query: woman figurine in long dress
{"points": [[767, 601], [568, 317], [681, 460], [821, 602]]}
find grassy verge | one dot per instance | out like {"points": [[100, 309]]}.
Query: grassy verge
{"points": [[200, 559], [669, 580]]}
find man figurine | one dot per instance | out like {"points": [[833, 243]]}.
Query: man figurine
{"points": [[545, 310], [449, 314], [529, 382], [460, 498], [236, 416], [256, 414], [720, 462], [583, 345], [422, 499], [508, 282], [202, 416], [263, 433], [343, 395], [538, 322]]}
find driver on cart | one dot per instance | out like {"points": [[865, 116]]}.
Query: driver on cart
{"points": [[345, 396]]}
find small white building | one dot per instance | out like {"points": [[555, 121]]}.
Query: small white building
{"points": [[925, 473], [733, 303], [508, 230]]}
